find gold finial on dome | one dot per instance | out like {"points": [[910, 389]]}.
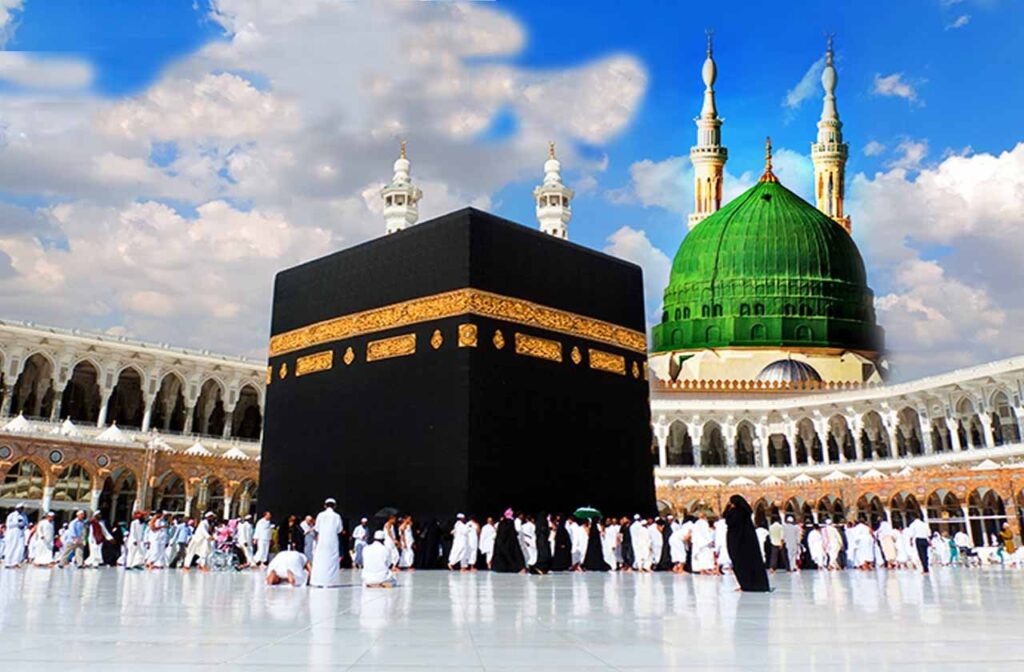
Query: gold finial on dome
{"points": [[402, 150], [551, 149], [768, 176]]}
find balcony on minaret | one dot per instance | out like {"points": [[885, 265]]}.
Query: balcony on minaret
{"points": [[553, 199]]}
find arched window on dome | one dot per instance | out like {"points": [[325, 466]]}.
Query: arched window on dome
{"points": [[664, 316], [789, 310], [758, 332], [804, 333], [677, 337], [744, 309], [805, 310], [758, 309], [717, 310], [712, 335], [686, 313], [705, 311], [831, 310], [679, 314]]}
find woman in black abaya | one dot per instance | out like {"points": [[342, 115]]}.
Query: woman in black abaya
{"points": [[626, 546], [593, 561], [561, 560], [664, 563], [744, 550], [508, 554], [543, 564]]}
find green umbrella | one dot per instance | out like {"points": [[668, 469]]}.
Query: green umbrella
{"points": [[587, 512]]}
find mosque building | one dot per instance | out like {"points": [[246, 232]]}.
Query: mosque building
{"points": [[767, 371]]}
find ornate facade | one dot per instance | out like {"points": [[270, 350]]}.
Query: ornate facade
{"points": [[95, 421]]}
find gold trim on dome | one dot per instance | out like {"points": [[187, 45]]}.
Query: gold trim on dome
{"points": [[436, 340], [283, 371], [499, 339], [321, 361], [386, 348], [466, 301], [467, 335], [542, 348], [606, 361], [349, 356], [575, 355]]}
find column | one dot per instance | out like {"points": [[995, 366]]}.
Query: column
{"points": [[228, 415], [925, 427], [924, 513], [760, 453], [661, 430], [696, 434], [94, 500], [954, 435], [986, 426], [188, 505], [58, 399], [729, 435], [147, 416], [101, 421], [967, 522], [821, 429], [791, 438], [227, 507], [47, 498], [1018, 414], [190, 409], [888, 514]]}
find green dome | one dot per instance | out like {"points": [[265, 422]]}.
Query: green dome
{"points": [[768, 269]]}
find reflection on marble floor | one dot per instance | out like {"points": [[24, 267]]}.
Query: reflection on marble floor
{"points": [[107, 619]]}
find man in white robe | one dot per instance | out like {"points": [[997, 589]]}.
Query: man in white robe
{"points": [[721, 531], [43, 539], [457, 555], [200, 546], [791, 535], [376, 568], [290, 567], [136, 543], [833, 545], [702, 541], [326, 572], [472, 543], [641, 541], [359, 543], [580, 541], [762, 538], [528, 538], [487, 536], [98, 534], [816, 547], [14, 537], [244, 538], [263, 534], [610, 544]]}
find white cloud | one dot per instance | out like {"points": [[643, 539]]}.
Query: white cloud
{"points": [[44, 72], [944, 250], [633, 245], [910, 154], [895, 85], [808, 85], [9, 11], [959, 22], [271, 144], [873, 148]]}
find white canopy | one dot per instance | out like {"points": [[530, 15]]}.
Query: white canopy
{"points": [[773, 480], [687, 482], [985, 465], [68, 429], [114, 435], [741, 480], [905, 471], [198, 449], [18, 424], [801, 478], [714, 482], [836, 476], [235, 453], [872, 474]]}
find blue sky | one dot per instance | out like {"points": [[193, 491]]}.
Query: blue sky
{"points": [[140, 96]]}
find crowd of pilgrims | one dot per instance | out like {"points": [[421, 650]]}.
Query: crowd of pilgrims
{"points": [[513, 542]]}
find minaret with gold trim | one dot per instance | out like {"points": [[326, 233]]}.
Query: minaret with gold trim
{"points": [[554, 199], [401, 197], [708, 155], [829, 152]]}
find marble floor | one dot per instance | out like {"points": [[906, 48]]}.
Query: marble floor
{"points": [[955, 619]]}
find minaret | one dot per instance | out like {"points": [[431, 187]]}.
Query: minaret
{"points": [[401, 197], [708, 155], [829, 152], [554, 199]]}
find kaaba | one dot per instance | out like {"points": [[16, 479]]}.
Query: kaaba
{"points": [[465, 364]]}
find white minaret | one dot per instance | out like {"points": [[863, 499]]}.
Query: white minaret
{"points": [[829, 151], [401, 197], [708, 155], [554, 199]]}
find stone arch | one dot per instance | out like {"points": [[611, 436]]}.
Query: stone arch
{"points": [[945, 513], [81, 399], [209, 414], [908, 433], [1004, 419], [712, 334], [712, 445], [170, 494], [245, 499], [211, 495], [903, 508], [799, 509], [746, 447], [870, 508], [808, 445], [247, 419], [987, 513], [830, 509], [169, 408], [804, 333], [758, 332], [762, 512], [24, 481], [969, 427], [119, 495], [33, 392], [127, 405], [840, 439], [680, 445], [73, 487], [778, 450], [874, 437]]}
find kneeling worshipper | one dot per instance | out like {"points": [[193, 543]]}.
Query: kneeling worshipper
{"points": [[288, 567], [326, 571], [744, 547], [508, 554], [377, 564]]}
